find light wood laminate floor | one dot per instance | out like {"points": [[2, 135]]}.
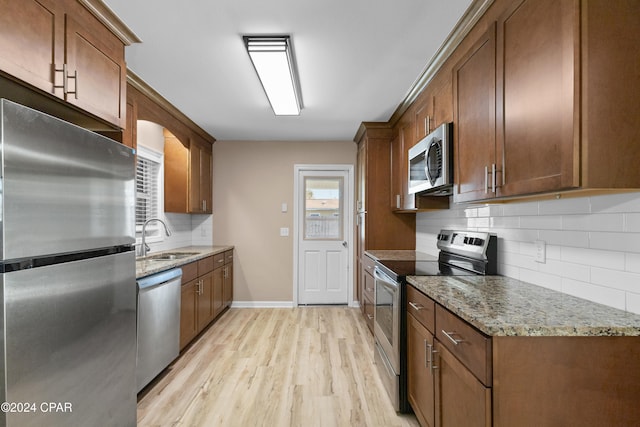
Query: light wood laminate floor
{"points": [[306, 366]]}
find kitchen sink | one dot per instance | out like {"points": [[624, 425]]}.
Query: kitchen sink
{"points": [[170, 256]]}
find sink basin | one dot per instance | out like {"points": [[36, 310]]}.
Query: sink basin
{"points": [[170, 256]]}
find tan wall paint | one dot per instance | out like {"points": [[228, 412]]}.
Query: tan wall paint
{"points": [[251, 181]]}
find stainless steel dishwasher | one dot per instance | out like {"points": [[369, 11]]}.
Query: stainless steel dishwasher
{"points": [[158, 324]]}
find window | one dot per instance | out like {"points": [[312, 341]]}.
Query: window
{"points": [[148, 192]]}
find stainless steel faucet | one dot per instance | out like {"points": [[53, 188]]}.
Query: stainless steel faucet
{"points": [[144, 248]]}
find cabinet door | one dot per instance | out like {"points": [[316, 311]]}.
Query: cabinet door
{"points": [[96, 67], [405, 139], [227, 291], [424, 115], [420, 372], [188, 312], [32, 41], [442, 99], [455, 385], [205, 301], [537, 70], [200, 177], [474, 88], [217, 298]]}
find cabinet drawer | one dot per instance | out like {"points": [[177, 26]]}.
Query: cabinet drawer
{"points": [[368, 312], [469, 345], [205, 265], [189, 272], [228, 257], [421, 307], [368, 264], [218, 260], [369, 286]]}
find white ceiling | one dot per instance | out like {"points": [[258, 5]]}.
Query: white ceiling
{"points": [[356, 59]]}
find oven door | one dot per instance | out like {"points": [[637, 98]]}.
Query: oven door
{"points": [[387, 317]]}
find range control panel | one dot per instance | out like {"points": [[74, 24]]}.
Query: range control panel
{"points": [[474, 244]]}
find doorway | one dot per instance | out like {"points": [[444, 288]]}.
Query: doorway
{"points": [[323, 234]]}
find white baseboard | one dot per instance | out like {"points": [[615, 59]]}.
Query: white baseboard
{"points": [[274, 304], [262, 304]]}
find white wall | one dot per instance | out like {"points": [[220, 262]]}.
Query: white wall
{"points": [[252, 179], [593, 243]]}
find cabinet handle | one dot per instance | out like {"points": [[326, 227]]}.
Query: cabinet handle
{"points": [[220, 260], [370, 317], [493, 177], [398, 201], [75, 79], [486, 180], [62, 70], [431, 352], [427, 354], [204, 205], [451, 338], [427, 125], [224, 273], [415, 306]]}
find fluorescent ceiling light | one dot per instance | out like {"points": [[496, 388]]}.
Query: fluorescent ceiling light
{"points": [[272, 57]]}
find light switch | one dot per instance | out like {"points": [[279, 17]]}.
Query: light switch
{"points": [[284, 207], [284, 231]]}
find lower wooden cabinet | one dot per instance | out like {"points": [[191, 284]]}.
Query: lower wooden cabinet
{"points": [[458, 376], [188, 313], [227, 279], [367, 302], [461, 399], [421, 374]]}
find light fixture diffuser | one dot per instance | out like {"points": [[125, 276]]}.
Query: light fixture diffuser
{"points": [[273, 60]]}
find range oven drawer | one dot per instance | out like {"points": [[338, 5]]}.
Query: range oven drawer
{"points": [[465, 342]]}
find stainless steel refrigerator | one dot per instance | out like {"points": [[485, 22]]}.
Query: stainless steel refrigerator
{"points": [[68, 285]]}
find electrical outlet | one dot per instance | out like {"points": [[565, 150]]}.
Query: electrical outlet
{"points": [[541, 251], [284, 231]]}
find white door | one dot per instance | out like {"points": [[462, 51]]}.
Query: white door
{"points": [[322, 233]]}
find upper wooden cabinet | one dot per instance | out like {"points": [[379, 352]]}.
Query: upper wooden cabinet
{"points": [[188, 159], [541, 97], [66, 51], [188, 175], [200, 177]]}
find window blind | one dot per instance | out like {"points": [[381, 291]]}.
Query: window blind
{"points": [[147, 198]]}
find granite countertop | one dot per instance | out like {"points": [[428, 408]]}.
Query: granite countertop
{"points": [[145, 266], [501, 306], [399, 255]]}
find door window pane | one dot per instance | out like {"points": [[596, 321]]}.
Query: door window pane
{"points": [[323, 208]]}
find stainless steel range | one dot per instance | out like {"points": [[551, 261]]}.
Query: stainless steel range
{"points": [[461, 253]]}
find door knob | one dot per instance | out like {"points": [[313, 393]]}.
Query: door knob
{"points": [[344, 243]]}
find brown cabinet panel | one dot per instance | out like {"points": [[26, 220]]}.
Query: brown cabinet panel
{"points": [[207, 264], [421, 391], [468, 344], [95, 57], [32, 41], [206, 300], [474, 88], [188, 312], [610, 91], [537, 135], [421, 307], [218, 291], [461, 400]]}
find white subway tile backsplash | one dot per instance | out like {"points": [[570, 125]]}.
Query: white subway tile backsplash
{"points": [[616, 279], [626, 202], [578, 239], [592, 243], [632, 262], [593, 257], [625, 242], [541, 222], [633, 302], [632, 222], [594, 222], [577, 205]]}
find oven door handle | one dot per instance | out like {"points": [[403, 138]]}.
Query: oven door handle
{"points": [[387, 281]]}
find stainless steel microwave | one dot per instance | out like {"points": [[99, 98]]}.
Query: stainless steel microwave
{"points": [[431, 163]]}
